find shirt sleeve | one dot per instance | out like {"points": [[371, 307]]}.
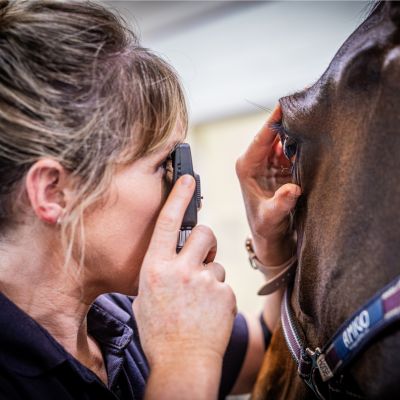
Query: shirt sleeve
{"points": [[235, 352], [234, 356]]}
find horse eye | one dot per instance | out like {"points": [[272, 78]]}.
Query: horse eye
{"points": [[289, 148]]}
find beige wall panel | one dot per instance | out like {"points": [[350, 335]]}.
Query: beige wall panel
{"points": [[215, 147]]}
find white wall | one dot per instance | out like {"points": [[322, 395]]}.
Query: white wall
{"points": [[234, 54]]}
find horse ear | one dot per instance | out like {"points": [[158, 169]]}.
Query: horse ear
{"points": [[394, 12], [364, 71]]}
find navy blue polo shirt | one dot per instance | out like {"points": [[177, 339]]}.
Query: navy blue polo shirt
{"points": [[33, 365]]}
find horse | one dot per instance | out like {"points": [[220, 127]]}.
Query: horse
{"points": [[342, 135]]}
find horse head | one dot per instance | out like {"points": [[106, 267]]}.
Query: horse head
{"points": [[342, 135]]}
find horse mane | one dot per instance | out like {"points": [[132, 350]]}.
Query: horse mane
{"points": [[372, 6]]}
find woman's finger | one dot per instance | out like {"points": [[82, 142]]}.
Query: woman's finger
{"points": [[200, 247], [261, 147], [278, 158], [165, 235]]}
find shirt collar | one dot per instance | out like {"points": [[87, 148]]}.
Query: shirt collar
{"points": [[28, 349], [108, 324]]}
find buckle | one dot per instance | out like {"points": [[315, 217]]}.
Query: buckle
{"points": [[253, 260], [310, 362], [319, 362]]}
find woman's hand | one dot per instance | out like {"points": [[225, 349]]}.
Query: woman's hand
{"points": [[184, 310], [264, 173]]}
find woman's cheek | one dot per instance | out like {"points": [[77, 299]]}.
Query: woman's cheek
{"points": [[157, 198]]}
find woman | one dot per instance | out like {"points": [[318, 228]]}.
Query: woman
{"points": [[87, 120]]}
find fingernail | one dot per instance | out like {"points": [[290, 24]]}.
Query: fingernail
{"points": [[187, 180], [297, 193]]}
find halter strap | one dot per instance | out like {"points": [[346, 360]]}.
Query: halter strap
{"points": [[349, 340]]}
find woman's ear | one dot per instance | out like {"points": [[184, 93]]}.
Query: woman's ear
{"points": [[46, 187]]}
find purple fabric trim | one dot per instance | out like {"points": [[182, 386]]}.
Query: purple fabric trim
{"points": [[288, 329], [391, 302]]}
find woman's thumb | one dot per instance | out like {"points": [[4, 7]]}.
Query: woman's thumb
{"points": [[285, 199]]}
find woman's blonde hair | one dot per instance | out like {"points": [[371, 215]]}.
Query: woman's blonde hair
{"points": [[76, 86]]}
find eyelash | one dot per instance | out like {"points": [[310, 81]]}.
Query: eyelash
{"points": [[278, 128]]}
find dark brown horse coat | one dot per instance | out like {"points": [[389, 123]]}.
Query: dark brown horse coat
{"points": [[346, 130]]}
